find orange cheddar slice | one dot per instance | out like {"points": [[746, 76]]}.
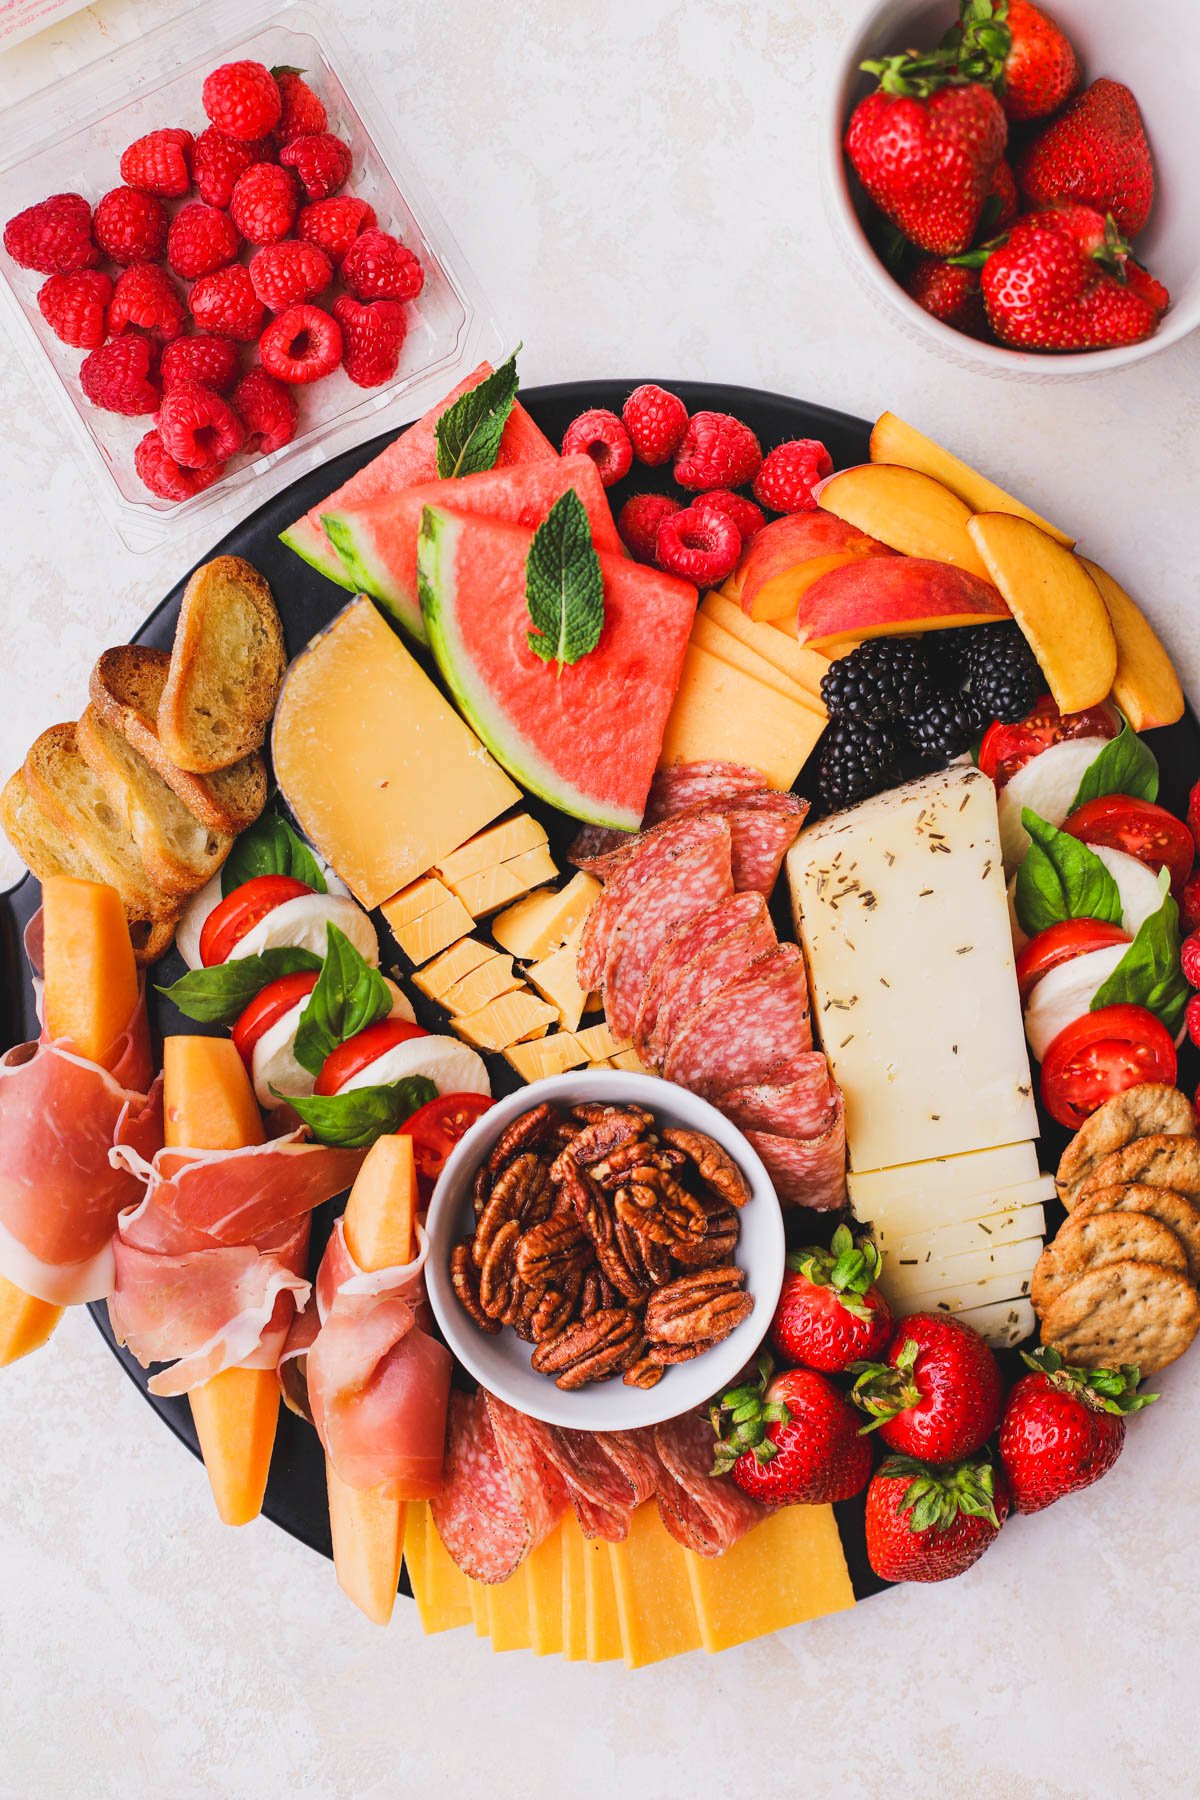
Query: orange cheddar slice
{"points": [[788, 1569], [479, 1608], [574, 1597], [602, 1629], [654, 1592], [544, 1596], [448, 1589], [508, 1613]]}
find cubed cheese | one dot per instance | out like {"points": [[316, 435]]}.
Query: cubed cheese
{"points": [[721, 714], [499, 844], [552, 1055], [437, 978], [505, 1021], [541, 923], [491, 888], [414, 901], [789, 1569], [599, 1042], [556, 981], [482, 985], [433, 931], [631, 1062]]}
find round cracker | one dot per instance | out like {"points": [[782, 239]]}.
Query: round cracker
{"points": [[1160, 1160], [1151, 1109], [1128, 1312], [1175, 1210], [1108, 1237]]}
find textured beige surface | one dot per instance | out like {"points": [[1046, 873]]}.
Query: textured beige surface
{"points": [[638, 192]]}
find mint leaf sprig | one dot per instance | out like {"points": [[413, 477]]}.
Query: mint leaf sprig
{"points": [[564, 589], [468, 433]]}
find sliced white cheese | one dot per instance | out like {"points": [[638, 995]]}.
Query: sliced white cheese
{"points": [[903, 1278], [1065, 994], [973, 1234], [967, 1295], [1002, 1323], [273, 1061], [1047, 786], [920, 1216], [302, 923], [876, 1191], [187, 934], [453, 1068], [1138, 886]]}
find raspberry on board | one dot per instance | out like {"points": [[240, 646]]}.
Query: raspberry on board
{"points": [[302, 111], [201, 238], [699, 546], [285, 274], [334, 224], [164, 476], [790, 472], [1189, 959], [264, 203], [378, 266], [321, 162], [217, 161], [146, 299], [214, 361], [76, 307], [242, 100], [638, 522], [1189, 903], [600, 435], [225, 304], [119, 376], [302, 344], [656, 420], [160, 162], [198, 428], [54, 237], [130, 226], [267, 409], [746, 516], [717, 451], [372, 338]]}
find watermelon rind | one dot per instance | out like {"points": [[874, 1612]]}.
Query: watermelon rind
{"points": [[437, 584], [309, 544], [371, 577]]}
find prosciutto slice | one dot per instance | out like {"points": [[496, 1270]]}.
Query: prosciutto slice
{"points": [[753, 1021], [494, 1507], [696, 881], [704, 1512], [378, 1381]]}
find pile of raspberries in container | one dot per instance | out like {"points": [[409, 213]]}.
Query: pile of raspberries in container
{"points": [[233, 238], [700, 537]]}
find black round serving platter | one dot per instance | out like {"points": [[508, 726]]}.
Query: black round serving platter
{"points": [[307, 601]]}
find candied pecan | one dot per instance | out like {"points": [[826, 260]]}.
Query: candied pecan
{"points": [[551, 1250], [644, 1373], [464, 1279], [718, 1242], [523, 1319], [714, 1164], [499, 1290], [701, 1308], [591, 1349], [666, 1354], [591, 1296], [481, 1189], [631, 1161], [598, 1140], [552, 1314], [520, 1192], [523, 1134], [590, 1112], [592, 1206], [624, 1273], [649, 1260]]}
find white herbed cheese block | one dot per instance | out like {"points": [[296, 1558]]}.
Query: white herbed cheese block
{"points": [[930, 1272], [973, 1234], [1002, 1323], [874, 1192], [913, 1218], [900, 903], [968, 1294]]}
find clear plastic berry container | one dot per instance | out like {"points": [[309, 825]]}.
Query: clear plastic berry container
{"points": [[156, 81]]}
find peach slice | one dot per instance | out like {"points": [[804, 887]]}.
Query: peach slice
{"points": [[871, 598], [1145, 686], [786, 557], [909, 511], [1057, 605], [893, 441]]}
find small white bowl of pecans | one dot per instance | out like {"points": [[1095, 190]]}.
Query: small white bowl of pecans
{"points": [[605, 1251]]}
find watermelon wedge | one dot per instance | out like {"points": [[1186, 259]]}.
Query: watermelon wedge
{"points": [[377, 539], [412, 457], [586, 737]]}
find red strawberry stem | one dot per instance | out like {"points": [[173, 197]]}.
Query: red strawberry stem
{"points": [[1102, 1390], [974, 50], [885, 1389], [740, 1419], [935, 1497], [848, 1267]]}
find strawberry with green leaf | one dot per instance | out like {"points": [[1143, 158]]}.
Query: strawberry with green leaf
{"points": [[1064, 1428], [790, 1439], [928, 1524], [937, 1394], [1061, 281], [830, 1312], [1017, 50]]}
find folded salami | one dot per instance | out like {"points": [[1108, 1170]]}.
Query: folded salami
{"points": [[764, 825], [496, 1504], [652, 853], [696, 881], [593, 1468], [798, 1098], [806, 1171], [697, 959], [704, 1512], [756, 1019]]}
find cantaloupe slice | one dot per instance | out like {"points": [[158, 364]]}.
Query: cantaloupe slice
{"points": [[25, 1322], [208, 1101]]}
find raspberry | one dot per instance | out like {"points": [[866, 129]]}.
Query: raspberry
{"points": [[717, 451], [118, 377], [218, 161], [213, 361], [131, 226], [638, 522], [701, 547], [334, 224], [201, 238], [267, 409], [372, 337], [197, 427], [242, 100], [146, 299], [303, 344], [164, 476], [656, 421], [160, 162], [54, 237], [1192, 1018], [264, 203], [74, 307], [789, 474], [226, 304], [746, 516], [321, 162], [600, 435], [377, 266], [1189, 959], [284, 274], [303, 112], [1189, 903], [1193, 813]]}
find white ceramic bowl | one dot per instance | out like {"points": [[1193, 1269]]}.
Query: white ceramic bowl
{"points": [[1139, 45], [501, 1363]]}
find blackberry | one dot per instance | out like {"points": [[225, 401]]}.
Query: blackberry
{"points": [[947, 654], [883, 679], [856, 759], [944, 729], [1002, 674]]}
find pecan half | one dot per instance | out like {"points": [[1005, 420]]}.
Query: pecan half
{"points": [[552, 1250], [649, 1260], [525, 1315], [718, 1242], [700, 1309], [524, 1133], [599, 1139], [521, 1192], [716, 1167], [644, 1373], [481, 1189], [593, 1209], [499, 1290], [589, 1350], [591, 1295], [464, 1279], [622, 1266], [552, 1314]]}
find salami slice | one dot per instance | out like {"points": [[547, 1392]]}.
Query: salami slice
{"points": [[704, 1512], [536, 1485], [754, 1020], [798, 1098], [587, 1468], [764, 826], [806, 1171], [707, 972], [476, 1513], [634, 1454], [673, 791], [652, 853], [696, 881]]}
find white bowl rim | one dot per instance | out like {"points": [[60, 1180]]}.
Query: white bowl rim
{"points": [[684, 1387]]}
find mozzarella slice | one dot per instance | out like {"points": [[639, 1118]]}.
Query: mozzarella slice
{"points": [[273, 1062], [191, 924], [1065, 994], [1048, 786], [452, 1067], [1141, 895], [301, 924]]}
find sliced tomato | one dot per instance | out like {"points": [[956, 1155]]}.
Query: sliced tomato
{"points": [[268, 1007], [238, 913], [1100, 1055], [1007, 748], [1062, 943], [436, 1128], [353, 1056], [1139, 828]]}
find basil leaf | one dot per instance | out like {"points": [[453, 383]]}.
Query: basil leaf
{"points": [[1149, 973], [1062, 879], [271, 847], [349, 996], [218, 995], [468, 433], [1126, 765], [564, 589], [353, 1121]]}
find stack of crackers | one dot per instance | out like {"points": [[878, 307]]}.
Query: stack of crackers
{"points": [[1118, 1284]]}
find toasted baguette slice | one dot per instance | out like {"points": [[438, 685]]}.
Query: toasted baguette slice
{"points": [[227, 664], [126, 690], [179, 852], [74, 800]]}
